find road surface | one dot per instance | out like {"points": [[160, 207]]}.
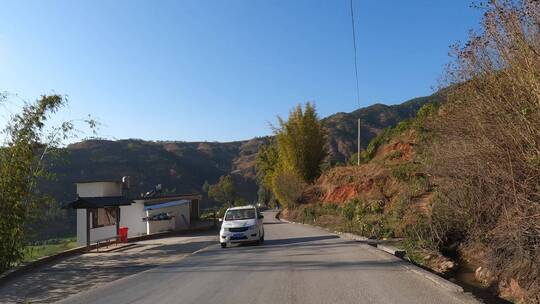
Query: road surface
{"points": [[297, 264]]}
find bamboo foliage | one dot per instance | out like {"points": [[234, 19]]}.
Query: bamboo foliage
{"points": [[293, 159], [28, 143]]}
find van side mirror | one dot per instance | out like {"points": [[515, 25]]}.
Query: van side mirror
{"points": [[261, 216]]}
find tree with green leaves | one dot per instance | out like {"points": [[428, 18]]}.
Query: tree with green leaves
{"points": [[287, 187], [301, 142], [266, 163], [27, 144], [294, 158], [224, 190]]}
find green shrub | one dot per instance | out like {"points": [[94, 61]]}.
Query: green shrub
{"points": [[376, 206], [418, 185], [330, 208], [403, 172], [418, 235], [425, 112], [310, 213], [395, 154], [288, 188], [402, 126], [349, 209]]}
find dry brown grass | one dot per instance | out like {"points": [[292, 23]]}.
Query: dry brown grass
{"points": [[487, 153], [369, 181]]}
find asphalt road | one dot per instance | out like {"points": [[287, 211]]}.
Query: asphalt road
{"points": [[297, 264]]}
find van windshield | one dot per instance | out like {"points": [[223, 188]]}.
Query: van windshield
{"points": [[240, 214]]}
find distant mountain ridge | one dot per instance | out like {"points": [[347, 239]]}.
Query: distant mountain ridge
{"points": [[184, 166], [342, 127]]}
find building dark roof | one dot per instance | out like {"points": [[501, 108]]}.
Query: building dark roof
{"points": [[88, 181], [99, 202], [168, 197]]}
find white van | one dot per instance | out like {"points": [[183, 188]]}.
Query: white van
{"points": [[241, 224]]}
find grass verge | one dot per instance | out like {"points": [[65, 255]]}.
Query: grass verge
{"points": [[48, 247]]}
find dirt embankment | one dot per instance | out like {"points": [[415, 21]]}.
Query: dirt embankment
{"points": [[369, 181], [389, 197]]}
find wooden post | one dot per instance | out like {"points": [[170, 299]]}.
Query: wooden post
{"points": [[88, 213]]}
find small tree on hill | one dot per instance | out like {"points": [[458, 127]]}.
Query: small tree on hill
{"points": [[223, 191]]}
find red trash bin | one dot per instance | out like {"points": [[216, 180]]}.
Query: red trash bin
{"points": [[123, 234]]}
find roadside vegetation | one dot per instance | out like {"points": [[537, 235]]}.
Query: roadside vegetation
{"points": [[40, 249], [385, 197], [486, 152], [459, 180], [223, 191], [294, 157], [27, 146]]}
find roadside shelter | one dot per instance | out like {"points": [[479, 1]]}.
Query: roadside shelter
{"points": [[103, 207]]}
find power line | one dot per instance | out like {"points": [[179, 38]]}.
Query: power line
{"points": [[355, 54], [356, 77]]}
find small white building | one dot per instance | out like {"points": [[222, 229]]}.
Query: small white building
{"points": [[103, 207]]}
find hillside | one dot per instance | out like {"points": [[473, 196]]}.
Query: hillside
{"points": [[180, 167], [342, 127], [399, 194], [389, 196], [184, 166], [375, 198]]}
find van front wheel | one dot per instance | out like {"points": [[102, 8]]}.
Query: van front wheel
{"points": [[223, 245]]}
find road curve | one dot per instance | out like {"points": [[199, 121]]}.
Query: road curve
{"points": [[297, 264]]}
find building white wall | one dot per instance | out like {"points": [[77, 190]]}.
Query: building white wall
{"points": [[95, 233], [81, 227], [131, 216], [183, 218], [180, 221], [99, 189], [160, 226]]}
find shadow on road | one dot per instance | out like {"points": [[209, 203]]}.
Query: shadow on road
{"points": [[310, 253], [299, 240], [54, 282]]}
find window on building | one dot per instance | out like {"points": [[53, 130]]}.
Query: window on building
{"points": [[103, 217]]}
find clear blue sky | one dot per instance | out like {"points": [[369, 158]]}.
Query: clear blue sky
{"points": [[221, 70]]}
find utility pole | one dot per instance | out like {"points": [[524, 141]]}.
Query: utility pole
{"points": [[358, 141]]}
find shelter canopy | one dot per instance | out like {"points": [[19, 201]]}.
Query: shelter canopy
{"points": [[99, 202]]}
